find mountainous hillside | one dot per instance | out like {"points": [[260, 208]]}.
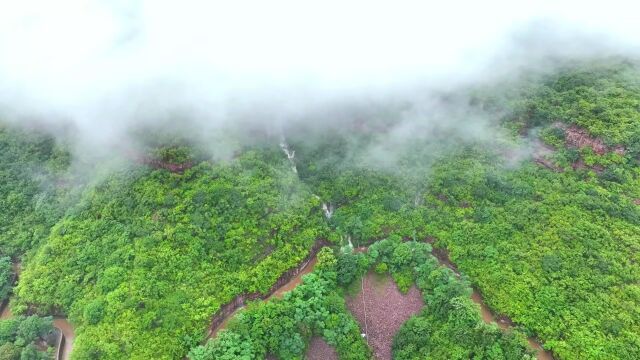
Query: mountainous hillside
{"points": [[523, 193]]}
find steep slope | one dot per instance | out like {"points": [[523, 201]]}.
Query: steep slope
{"points": [[146, 258]]}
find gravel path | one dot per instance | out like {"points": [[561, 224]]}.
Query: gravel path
{"points": [[386, 310], [320, 350]]}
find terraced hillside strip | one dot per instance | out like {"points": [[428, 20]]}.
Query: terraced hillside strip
{"points": [[287, 282]]}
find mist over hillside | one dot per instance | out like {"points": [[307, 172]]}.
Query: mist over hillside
{"points": [[97, 71], [282, 180]]}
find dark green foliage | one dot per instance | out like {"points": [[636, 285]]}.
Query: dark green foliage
{"points": [[448, 327], [31, 328], [146, 258], [347, 268], [284, 327], [31, 190], [31, 352], [20, 335], [565, 247], [6, 276], [369, 204], [174, 154]]}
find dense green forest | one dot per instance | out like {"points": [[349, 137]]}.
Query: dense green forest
{"points": [[540, 213], [556, 250], [32, 169], [449, 326], [146, 258], [283, 326], [27, 337]]}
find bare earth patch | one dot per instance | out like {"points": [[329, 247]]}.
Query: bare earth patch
{"points": [[386, 310], [320, 350], [576, 136]]}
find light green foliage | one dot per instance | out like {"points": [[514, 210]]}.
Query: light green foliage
{"points": [[146, 258], [283, 327], [8, 351], [381, 268], [555, 251], [551, 250]]}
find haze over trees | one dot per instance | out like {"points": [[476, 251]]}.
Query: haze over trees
{"points": [[539, 212]]}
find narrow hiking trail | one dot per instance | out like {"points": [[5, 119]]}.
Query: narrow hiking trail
{"points": [[228, 311], [488, 316], [382, 299]]}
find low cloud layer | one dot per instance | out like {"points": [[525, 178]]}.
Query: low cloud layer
{"points": [[102, 67]]}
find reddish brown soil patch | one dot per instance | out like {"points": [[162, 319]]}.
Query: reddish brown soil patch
{"points": [[575, 137], [381, 310], [320, 350], [159, 164], [578, 137]]}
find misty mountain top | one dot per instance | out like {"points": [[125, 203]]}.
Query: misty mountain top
{"points": [[103, 70]]}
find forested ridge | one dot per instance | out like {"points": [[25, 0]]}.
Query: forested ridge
{"points": [[449, 325], [147, 258], [543, 219]]}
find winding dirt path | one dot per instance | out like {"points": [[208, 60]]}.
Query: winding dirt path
{"points": [[65, 345], [389, 303], [6, 312], [63, 352], [287, 282], [488, 316], [68, 337], [296, 280]]}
